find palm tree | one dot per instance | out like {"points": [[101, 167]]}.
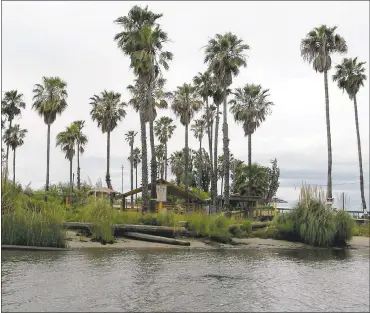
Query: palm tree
{"points": [[81, 141], [204, 84], [107, 110], [49, 101], [67, 140], [160, 154], [163, 130], [130, 138], [350, 77], [217, 100], [225, 54], [185, 104], [250, 107], [11, 106], [142, 40], [136, 159], [221, 170], [317, 48], [177, 165], [198, 128], [14, 137]]}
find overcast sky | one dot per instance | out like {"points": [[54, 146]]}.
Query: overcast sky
{"points": [[74, 40]]}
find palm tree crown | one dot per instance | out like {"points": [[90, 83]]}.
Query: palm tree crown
{"points": [[225, 54], [12, 104], [198, 128], [80, 137], [50, 98], [164, 129], [14, 136], [319, 44], [107, 110], [350, 76], [250, 106], [66, 140], [130, 137]]}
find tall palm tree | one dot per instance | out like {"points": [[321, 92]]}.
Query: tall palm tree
{"points": [[81, 141], [163, 130], [204, 84], [250, 107], [136, 159], [221, 169], [185, 104], [14, 137], [317, 48], [225, 54], [11, 106], [67, 140], [350, 76], [107, 110], [142, 40], [198, 129], [130, 138], [49, 101]]}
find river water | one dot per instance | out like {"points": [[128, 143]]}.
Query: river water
{"points": [[185, 280]]}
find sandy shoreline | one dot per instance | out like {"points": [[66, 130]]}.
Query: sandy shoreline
{"points": [[76, 242]]}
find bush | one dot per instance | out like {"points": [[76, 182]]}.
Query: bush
{"points": [[344, 228], [361, 230]]}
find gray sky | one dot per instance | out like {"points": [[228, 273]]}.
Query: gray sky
{"points": [[74, 40]]}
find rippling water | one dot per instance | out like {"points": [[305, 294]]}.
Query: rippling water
{"points": [[185, 280]]}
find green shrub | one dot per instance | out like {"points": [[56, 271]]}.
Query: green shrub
{"points": [[344, 227], [361, 230]]}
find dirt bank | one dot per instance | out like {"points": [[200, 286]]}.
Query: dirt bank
{"points": [[76, 242]]}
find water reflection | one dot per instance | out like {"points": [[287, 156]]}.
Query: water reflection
{"points": [[185, 280]]}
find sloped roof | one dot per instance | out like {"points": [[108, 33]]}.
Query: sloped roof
{"points": [[171, 189]]}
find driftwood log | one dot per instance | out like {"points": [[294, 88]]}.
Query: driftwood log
{"points": [[159, 239]]}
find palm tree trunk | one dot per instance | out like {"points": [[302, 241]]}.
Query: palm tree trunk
{"points": [[250, 163], [200, 165], [186, 164], [209, 133], [226, 154], [107, 178], [78, 168], [359, 155], [153, 189], [14, 167], [136, 187], [214, 176], [70, 181], [222, 183], [328, 134], [47, 162], [165, 160], [132, 173], [144, 159], [7, 156]]}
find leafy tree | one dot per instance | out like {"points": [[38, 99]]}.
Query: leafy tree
{"points": [[185, 104], [350, 76], [274, 174], [81, 141], [14, 137], [11, 107], [250, 107], [163, 129], [107, 110], [130, 138], [177, 165], [317, 48], [49, 101], [225, 54]]}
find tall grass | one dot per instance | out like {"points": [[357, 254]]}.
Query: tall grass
{"points": [[313, 223], [26, 222]]}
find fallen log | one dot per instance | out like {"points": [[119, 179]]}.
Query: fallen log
{"points": [[159, 239], [165, 231]]}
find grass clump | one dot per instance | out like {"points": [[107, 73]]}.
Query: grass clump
{"points": [[27, 222], [313, 223], [361, 230]]}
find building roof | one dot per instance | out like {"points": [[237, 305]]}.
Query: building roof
{"points": [[103, 190], [171, 189]]}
